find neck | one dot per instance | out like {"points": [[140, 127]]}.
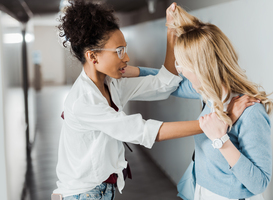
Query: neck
{"points": [[225, 92], [97, 77]]}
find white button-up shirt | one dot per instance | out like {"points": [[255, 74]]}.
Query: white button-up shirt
{"points": [[90, 147]]}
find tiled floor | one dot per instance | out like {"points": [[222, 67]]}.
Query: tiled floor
{"points": [[149, 182]]}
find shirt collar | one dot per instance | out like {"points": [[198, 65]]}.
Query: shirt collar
{"points": [[108, 79], [224, 104]]}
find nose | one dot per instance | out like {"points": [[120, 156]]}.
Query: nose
{"points": [[126, 58]]}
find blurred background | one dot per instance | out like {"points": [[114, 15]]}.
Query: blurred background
{"points": [[36, 73]]}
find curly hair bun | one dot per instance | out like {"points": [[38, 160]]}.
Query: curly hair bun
{"points": [[86, 25]]}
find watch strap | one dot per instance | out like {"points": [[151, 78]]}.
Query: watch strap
{"points": [[225, 138], [222, 141]]}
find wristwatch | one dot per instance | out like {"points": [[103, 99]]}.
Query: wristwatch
{"points": [[218, 143]]}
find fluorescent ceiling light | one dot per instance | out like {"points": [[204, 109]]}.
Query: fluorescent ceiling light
{"points": [[13, 38]]}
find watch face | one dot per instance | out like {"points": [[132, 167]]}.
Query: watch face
{"points": [[217, 143]]}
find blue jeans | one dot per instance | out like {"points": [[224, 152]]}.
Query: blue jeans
{"points": [[104, 191]]}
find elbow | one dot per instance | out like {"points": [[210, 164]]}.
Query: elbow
{"points": [[265, 183], [158, 138], [262, 186]]}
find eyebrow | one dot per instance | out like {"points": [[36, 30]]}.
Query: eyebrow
{"points": [[122, 45]]}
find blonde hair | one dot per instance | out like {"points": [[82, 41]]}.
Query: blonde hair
{"points": [[205, 50]]}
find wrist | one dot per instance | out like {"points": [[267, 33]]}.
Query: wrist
{"points": [[171, 36], [218, 143], [131, 71], [217, 135], [232, 117], [226, 144], [137, 70]]}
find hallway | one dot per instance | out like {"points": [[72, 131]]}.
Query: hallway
{"points": [[149, 182]]}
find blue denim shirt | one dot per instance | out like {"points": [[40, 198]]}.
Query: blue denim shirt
{"points": [[250, 135]]}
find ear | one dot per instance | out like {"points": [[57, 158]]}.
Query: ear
{"points": [[90, 56]]}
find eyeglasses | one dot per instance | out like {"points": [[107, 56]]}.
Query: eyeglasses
{"points": [[178, 68], [120, 51]]}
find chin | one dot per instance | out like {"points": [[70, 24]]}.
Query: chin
{"points": [[117, 76]]}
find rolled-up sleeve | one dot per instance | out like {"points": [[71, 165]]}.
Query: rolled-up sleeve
{"points": [[148, 88], [254, 167], [118, 125], [184, 90]]}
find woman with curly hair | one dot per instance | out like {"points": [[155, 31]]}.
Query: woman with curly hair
{"points": [[91, 157], [229, 164]]}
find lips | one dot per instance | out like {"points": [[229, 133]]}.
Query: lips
{"points": [[123, 69]]}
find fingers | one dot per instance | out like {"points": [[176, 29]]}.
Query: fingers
{"points": [[216, 119], [237, 106], [169, 13], [212, 126], [246, 101], [173, 6], [247, 98], [243, 101], [201, 119], [234, 98], [245, 105], [204, 119], [253, 99], [212, 116]]}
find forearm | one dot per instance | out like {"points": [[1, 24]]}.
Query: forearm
{"points": [[173, 130], [254, 176], [170, 59], [230, 153], [131, 71]]}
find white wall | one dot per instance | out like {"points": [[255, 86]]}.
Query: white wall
{"points": [[12, 114], [248, 24], [3, 180], [142, 14], [73, 67], [52, 54], [58, 65]]}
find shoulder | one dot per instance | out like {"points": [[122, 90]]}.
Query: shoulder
{"points": [[254, 110], [83, 92], [255, 115]]}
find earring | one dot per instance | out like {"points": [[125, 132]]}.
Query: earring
{"points": [[94, 62]]}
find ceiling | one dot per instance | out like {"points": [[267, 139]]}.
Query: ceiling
{"points": [[24, 9]]}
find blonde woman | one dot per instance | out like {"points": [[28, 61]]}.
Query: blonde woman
{"points": [[229, 164]]}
